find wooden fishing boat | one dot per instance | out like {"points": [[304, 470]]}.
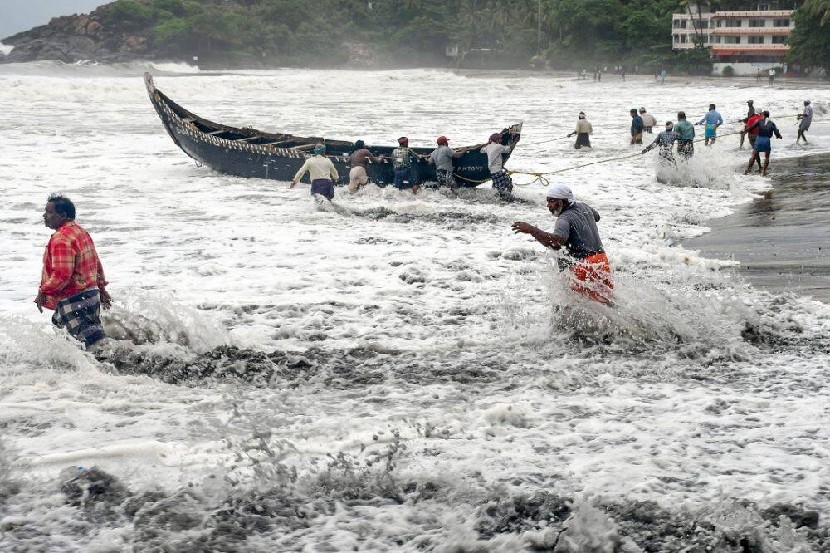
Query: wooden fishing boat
{"points": [[251, 153]]}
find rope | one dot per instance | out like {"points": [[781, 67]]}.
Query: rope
{"points": [[554, 139], [541, 177]]}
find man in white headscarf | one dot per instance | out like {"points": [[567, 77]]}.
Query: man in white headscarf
{"points": [[576, 230]]}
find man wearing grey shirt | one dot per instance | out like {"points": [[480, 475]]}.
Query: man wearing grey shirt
{"points": [[442, 158], [494, 149], [576, 229], [805, 119]]}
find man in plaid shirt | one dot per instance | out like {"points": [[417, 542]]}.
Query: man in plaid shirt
{"points": [[72, 282]]}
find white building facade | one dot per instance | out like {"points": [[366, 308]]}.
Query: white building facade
{"points": [[748, 41]]}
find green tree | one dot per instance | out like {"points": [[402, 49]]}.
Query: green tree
{"points": [[810, 39]]}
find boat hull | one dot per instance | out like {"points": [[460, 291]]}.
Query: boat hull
{"points": [[250, 153]]}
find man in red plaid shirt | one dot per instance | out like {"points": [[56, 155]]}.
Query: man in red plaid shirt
{"points": [[73, 279]]}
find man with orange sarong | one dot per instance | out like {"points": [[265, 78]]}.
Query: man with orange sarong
{"points": [[576, 229]]}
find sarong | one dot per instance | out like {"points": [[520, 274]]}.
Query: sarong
{"points": [[357, 177], [324, 187], [762, 144], [403, 178], [711, 131], [81, 315], [445, 178], [685, 148], [502, 183], [591, 277], [582, 140]]}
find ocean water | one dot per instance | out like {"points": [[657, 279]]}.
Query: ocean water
{"points": [[399, 372]]}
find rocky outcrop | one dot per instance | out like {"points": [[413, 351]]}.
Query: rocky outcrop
{"points": [[76, 38]]}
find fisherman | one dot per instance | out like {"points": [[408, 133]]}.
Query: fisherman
{"points": [[766, 128], [636, 127], [442, 157], [73, 282], [712, 120], [494, 149], [321, 171], [753, 134], [771, 76], [402, 165], [685, 136], [359, 160], [582, 131], [805, 119], [576, 229], [649, 121], [665, 140]]}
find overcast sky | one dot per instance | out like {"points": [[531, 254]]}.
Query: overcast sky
{"points": [[22, 15]]}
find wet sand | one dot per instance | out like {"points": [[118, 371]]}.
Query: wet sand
{"points": [[781, 239]]}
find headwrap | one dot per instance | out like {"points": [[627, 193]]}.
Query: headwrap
{"points": [[495, 137], [319, 148], [442, 139], [560, 192]]}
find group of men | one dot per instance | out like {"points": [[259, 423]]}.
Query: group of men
{"points": [[74, 286], [324, 175]]}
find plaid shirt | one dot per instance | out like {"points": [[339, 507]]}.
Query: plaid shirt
{"points": [[70, 265]]}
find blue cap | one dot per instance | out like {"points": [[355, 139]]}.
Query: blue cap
{"points": [[320, 149]]}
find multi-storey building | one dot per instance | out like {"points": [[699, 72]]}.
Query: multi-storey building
{"points": [[746, 40]]}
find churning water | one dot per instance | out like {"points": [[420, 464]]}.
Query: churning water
{"points": [[399, 372]]}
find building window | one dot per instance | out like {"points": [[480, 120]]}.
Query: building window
{"points": [[779, 39], [717, 40], [682, 39], [732, 39], [756, 39], [732, 23], [781, 23], [756, 22]]}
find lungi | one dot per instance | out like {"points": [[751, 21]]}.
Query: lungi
{"points": [[582, 140], [502, 183], [685, 148], [762, 144], [591, 277], [81, 315], [445, 178], [357, 177], [710, 131], [324, 187]]}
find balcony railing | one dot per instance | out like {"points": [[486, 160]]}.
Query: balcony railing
{"points": [[750, 31], [755, 14], [744, 48]]}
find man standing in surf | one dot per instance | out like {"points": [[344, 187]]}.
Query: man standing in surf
{"points": [[321, 171], [766, 128], [72, 282], [576, 229]]}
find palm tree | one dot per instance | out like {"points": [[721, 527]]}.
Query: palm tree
{"points": [[699, 4]]}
